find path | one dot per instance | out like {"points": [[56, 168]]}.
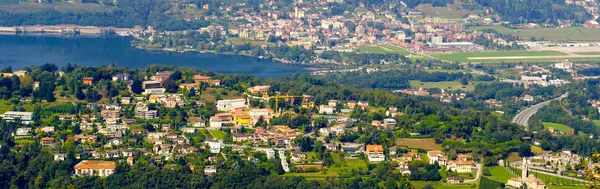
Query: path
{"points": [[479, 170], [523, 117], [284, 162]]}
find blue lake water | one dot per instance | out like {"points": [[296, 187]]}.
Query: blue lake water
{"points": [[20, 51]]}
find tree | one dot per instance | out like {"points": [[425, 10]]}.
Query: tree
{"points": [[136, 87], [92, 95], [305, 143]]}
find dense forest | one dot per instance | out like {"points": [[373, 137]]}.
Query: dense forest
{"points": [[126, 14]]}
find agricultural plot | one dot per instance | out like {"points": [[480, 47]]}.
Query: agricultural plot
{"points": [[452, 11], [341, 166], [427, 143]]}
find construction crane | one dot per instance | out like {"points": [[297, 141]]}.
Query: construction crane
{"points": [[277, 97]]}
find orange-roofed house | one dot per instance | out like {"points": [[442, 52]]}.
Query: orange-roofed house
{"points": [[375, 153], [88, 81], [95, 168], [200, 78], [47, 141]]}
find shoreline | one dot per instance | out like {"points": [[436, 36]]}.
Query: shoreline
{"points": [[311, 68], [69, 30]]}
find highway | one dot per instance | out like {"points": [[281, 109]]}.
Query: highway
{"points": [[523, 117]]}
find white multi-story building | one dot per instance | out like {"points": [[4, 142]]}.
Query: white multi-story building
{"points": [[24, 117], [375, 153], [227, 105]]}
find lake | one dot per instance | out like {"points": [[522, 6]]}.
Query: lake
{"points": [[20, 51]]}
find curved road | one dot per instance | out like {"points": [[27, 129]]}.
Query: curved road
{"points": [[523, 117]]}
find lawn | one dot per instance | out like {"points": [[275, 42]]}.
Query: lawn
{"points": [[489, 56], [345, 166], [587, 53], [558, 126], [219, 135], [537, 150], [596, 122], [6, 105], [24, 141], [486, 182], [383, 49], [427, 144], [550, 180], [441, 85], [561, 34], [500, 173], [439, 184]]}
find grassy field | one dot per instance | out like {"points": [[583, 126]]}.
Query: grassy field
{"points": [[219, 135], [439, 184], [500, 173], [537, 150], [558, 126], [427, 143], [551, 180], [24, 141], [441, 85], [342, 166], [561, 34], [587, 53], [383, 49], [464, 56], [240, 41], [486, 182]]}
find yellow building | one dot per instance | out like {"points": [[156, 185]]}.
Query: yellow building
{"points": [[242, 118], [461, 166]]}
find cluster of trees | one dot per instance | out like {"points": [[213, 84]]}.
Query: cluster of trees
{"points": [[400, 79], [363, 58], [589, 72], [126, 14]]}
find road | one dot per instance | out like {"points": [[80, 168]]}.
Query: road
{"points": [[479, 170], [523, 117]]}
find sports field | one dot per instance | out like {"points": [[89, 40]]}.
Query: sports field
{"points": [[383, 49], [560, 34]]}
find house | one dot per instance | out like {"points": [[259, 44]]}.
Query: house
{"points": [[228, 105], [151, 84], [326, 109], [36, 85], [257, 90], [453, 180], [86, 138], [210, 170], [528, 98], [493, 102], [515, 182], [125, 100], [24, 117], [196, 122], [215, 146], [242, 118], [188, 130], [120, 77], [60, 157], [154, 91], [161, 76], [23, 131], [437, 156], [200, 78], [95, 168], [461, 166], [389, 123], [47, 141], [88, 80], [270, 153], [332, 103], [375, 153]]}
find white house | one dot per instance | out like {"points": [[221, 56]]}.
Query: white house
{"points": [[215, 146], [326, 109], [227, 105]]}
